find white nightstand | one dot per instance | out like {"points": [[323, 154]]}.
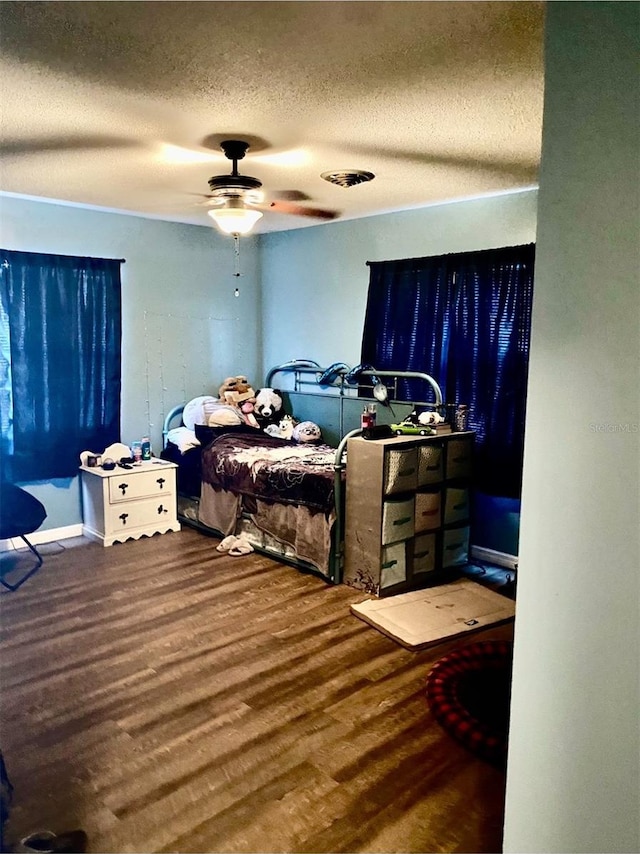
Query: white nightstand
{"points": [[125, 504]]}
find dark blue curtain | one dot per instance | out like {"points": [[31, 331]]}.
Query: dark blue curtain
{"points": [[465, 319], [62, 318]]}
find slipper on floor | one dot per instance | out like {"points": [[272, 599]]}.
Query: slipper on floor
{"points": [[242, 547], [54, 843], [227, 544]]}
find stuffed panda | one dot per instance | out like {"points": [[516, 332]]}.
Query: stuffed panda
{"points": [[268, 407]]}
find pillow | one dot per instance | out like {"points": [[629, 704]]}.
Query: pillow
{"points": [[193, 412], [183, 438], [218, 414]]}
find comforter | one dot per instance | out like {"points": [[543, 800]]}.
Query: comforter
{"points": [[271, 469]]}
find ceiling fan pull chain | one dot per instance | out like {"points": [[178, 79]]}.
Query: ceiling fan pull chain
{"points": [[236, 253]]}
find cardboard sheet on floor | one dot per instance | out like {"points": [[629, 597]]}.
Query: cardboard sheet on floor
{"points": [[425, 617]]}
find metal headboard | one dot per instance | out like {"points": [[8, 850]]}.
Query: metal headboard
{"points": [[307, 373], [174, 413], [309, 378], [303, 369]]}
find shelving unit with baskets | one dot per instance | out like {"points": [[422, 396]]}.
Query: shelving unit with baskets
{"points": [[407, 511]]}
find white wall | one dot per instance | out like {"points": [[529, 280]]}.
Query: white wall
{"points": [[183, 330], [574, 757], [315, 280]]}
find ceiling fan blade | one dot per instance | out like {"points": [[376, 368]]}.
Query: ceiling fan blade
{"points": [[291, 196], [278, 206], [291, 208], [15, 147], [206, 201]]}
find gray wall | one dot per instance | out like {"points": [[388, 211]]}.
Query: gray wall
{"points": [[302, 295], [315, 282], [574, 755], [184, 331]]}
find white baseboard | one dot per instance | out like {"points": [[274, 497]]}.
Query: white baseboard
{"points": [[38, 538], [497, 558]]}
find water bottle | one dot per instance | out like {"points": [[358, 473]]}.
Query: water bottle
{"points": [[372, 414], [368, 417]]}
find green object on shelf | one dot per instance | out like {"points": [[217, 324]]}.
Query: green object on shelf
{"points": [[405, 428]]}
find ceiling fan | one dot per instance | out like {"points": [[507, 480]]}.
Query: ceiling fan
{"points": [[237, 201]]}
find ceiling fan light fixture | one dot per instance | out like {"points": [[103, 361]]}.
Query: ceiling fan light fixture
{"points": [[234, 218], [347, 177]]}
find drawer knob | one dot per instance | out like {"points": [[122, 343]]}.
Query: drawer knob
{"points": [[123, 487], [160, 481], [123, 517], [161, 510]]}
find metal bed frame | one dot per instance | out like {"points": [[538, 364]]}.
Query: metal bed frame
{"points": [[302, 370]]}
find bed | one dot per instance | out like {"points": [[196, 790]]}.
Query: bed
{"points": [[286, 499]]}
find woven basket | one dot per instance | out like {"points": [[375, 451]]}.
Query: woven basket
{"points": [[400, 470]]}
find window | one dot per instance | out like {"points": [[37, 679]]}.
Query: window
{"points": [[464, 319], [60, 364]]}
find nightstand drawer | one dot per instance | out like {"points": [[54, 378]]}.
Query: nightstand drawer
{"points": [[133, 484], [138, 514]]}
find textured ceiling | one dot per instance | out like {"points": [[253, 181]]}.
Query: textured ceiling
{"points": [[122, 105]]}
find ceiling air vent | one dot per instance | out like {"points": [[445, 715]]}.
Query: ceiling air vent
{"points": [[348, 177]]}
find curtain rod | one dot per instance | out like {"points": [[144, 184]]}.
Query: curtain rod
{"points": [[60, 255], [452, 254]]}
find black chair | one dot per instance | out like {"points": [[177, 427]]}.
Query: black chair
{"points": [[20, 514]]}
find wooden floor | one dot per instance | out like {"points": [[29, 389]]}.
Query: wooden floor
{"points": [[166, 697]]}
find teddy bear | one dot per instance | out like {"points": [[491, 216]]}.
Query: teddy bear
{"points": [[235, 390], [268, 407]]}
